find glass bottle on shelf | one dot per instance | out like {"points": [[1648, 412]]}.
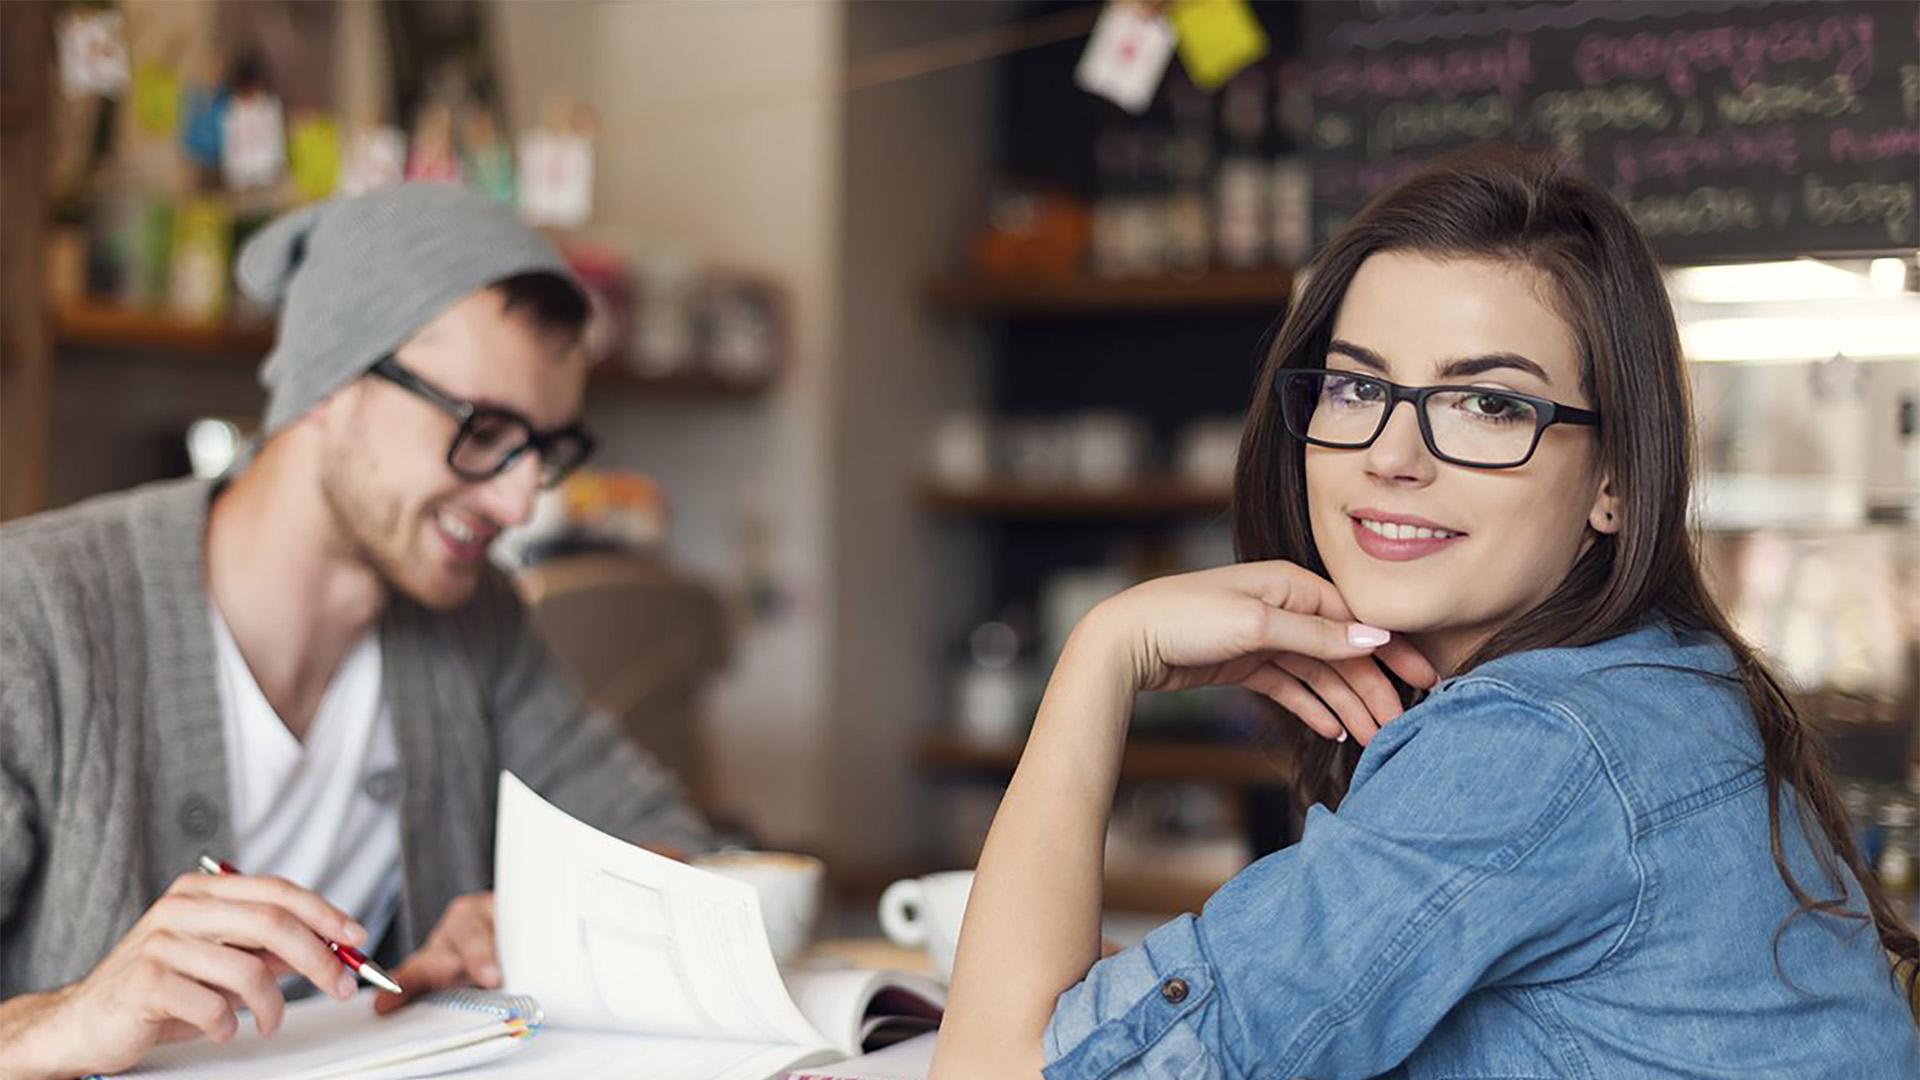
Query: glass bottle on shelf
{"points": [[1912, 801], [1241, 184], [1862, 816], [1108, 243], [1147, 208], [991, 694], [1292, 177], [1189, 217], [1896, 866]]}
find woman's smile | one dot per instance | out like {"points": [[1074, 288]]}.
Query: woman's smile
{"points": [[1400, 537]]}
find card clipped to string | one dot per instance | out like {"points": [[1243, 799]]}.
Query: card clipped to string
{"points": [[253, 141], [376, 157], [1217, 38], [93, 53], [556, 178], [1127, 56]]}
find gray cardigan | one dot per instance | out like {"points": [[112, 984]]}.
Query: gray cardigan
{"points": [[112, 758]]}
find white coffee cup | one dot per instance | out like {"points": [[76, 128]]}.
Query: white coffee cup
{"points": [[789, 888], [925, 912]]}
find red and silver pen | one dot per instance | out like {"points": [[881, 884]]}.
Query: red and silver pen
{"points": [[355, 960]]}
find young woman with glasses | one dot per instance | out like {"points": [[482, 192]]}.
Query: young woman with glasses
{"points": [[1565, 823]]}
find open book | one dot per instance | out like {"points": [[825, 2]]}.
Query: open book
{"points": [[625, 963], [668, 964]]}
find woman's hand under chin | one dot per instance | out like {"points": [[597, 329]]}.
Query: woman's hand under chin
{"points": [[1033, 920], [1272, 627]]}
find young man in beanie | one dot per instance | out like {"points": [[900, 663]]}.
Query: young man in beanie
{"points": [[309, 670]]}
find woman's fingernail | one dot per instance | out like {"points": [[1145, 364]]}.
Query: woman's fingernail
{"points": [[356, 934], [488, 973], [1362, 636], [1342, 737], [346, 986]]}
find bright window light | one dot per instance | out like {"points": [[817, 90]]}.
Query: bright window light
{"points": [[1887, 277], [1881, 337], [1798, 279]]}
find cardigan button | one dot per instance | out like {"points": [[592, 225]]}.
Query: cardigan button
{"points": [[383, 786], [198, 818], [1174, 991]]}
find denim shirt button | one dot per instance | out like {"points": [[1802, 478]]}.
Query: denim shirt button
{"points": [[1174, 991]]}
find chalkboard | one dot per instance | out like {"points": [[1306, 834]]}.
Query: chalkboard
{"points": [[1731, 130]]}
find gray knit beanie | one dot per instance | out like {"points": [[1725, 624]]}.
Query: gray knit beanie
{"points": [[355, 278]]}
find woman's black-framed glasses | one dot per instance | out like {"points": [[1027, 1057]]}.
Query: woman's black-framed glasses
{"points": [[490, 439], [1477, 426]]}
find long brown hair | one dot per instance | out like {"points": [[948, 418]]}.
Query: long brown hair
{"points": [[1529, 207]]}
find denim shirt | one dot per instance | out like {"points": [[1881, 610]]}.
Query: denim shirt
{"points": [[1556, 865]]}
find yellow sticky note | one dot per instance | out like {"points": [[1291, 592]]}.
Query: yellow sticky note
{"points": [[314, 152], [1217, 38], [156, 98]]}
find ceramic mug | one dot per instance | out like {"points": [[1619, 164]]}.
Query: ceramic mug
{"points": [[789, 888], [925, 912]]}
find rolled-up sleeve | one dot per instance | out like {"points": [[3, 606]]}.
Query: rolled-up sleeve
{"points": [[1152, 1001], [1480, 843]]}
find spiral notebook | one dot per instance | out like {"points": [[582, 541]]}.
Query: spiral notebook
{"points": [[324, 1039]]}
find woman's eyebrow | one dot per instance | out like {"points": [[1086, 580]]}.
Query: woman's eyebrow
{"points": [[1475, 365], [1455, 368], [1360, 354]]}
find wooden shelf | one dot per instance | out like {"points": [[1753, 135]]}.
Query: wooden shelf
{"points": [[127, 330], [1143, 499], [1223, 290], [1128, 888], [1139, 889], [102, 327], [610, 376], [1236, 765]]}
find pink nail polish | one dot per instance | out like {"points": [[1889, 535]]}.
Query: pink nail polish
{"points": [[1362, 636]]}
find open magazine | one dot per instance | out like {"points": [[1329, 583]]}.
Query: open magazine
{"points": [[669, 962]]}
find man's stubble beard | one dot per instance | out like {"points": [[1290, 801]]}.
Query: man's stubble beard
{"points": [[366, 522]]}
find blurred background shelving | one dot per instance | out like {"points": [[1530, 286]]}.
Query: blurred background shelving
{"points": [[1261, 290], [87, 330], [1017, 330]]}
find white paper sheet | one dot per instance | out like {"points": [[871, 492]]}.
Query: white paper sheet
{"points": [[641, 1057], [836, 1001], [322, 1037], [615, 938], [910, 1060]]}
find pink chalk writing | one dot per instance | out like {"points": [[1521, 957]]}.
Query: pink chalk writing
{"points": [[1504, 67], [1845, 144], [1676, 158], [1334, 179], [1745, 53]]}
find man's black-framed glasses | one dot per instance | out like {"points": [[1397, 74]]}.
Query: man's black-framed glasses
{"points": [[490, 439], [1477, 426]]}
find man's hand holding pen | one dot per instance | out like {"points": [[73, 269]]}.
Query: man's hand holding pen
{"points": [[210, 946]]}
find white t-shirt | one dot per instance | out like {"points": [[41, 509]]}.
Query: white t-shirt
{"points": [[323, 814]]}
